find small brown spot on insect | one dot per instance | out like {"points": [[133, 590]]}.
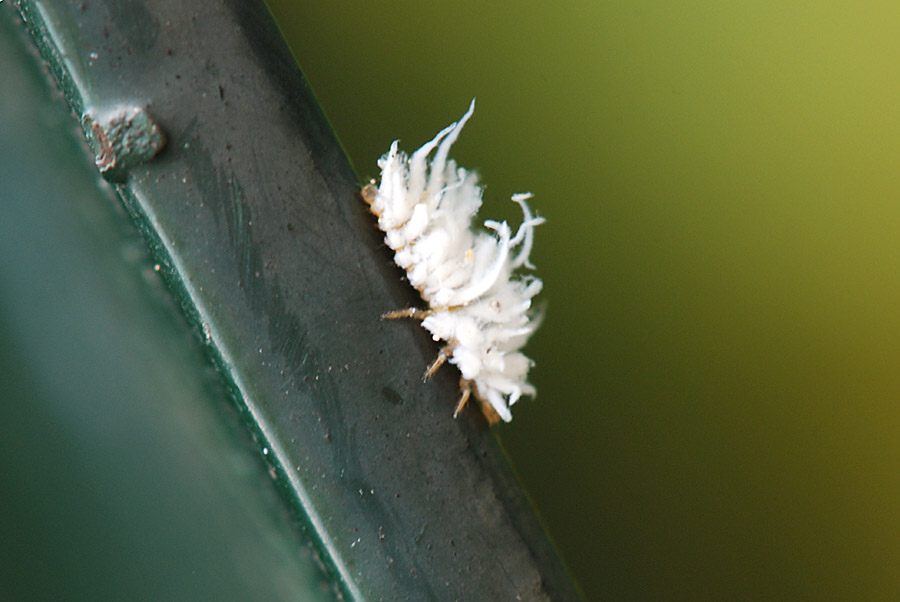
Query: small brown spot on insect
{"points": [[369, 192]]}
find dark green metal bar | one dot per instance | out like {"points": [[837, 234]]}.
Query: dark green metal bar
{"points": [[198, 115]]}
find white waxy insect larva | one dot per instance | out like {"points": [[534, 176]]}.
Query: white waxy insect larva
{"points": [[477, 304]]}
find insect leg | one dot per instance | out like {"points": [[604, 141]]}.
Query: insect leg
{"points": [[466, 387], [412, 312], [443, 356]]}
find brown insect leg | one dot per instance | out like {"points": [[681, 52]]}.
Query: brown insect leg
{"points": [[466, 388], [490, 413], [443, 354], [412, 312]]}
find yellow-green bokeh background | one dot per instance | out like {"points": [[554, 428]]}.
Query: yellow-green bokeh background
{"points": [[719, 371]]}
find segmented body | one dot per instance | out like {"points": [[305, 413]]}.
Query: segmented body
{"points": [[477, 302]]}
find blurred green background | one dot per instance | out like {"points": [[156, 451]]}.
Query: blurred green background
{"points": [[718, 372]]}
